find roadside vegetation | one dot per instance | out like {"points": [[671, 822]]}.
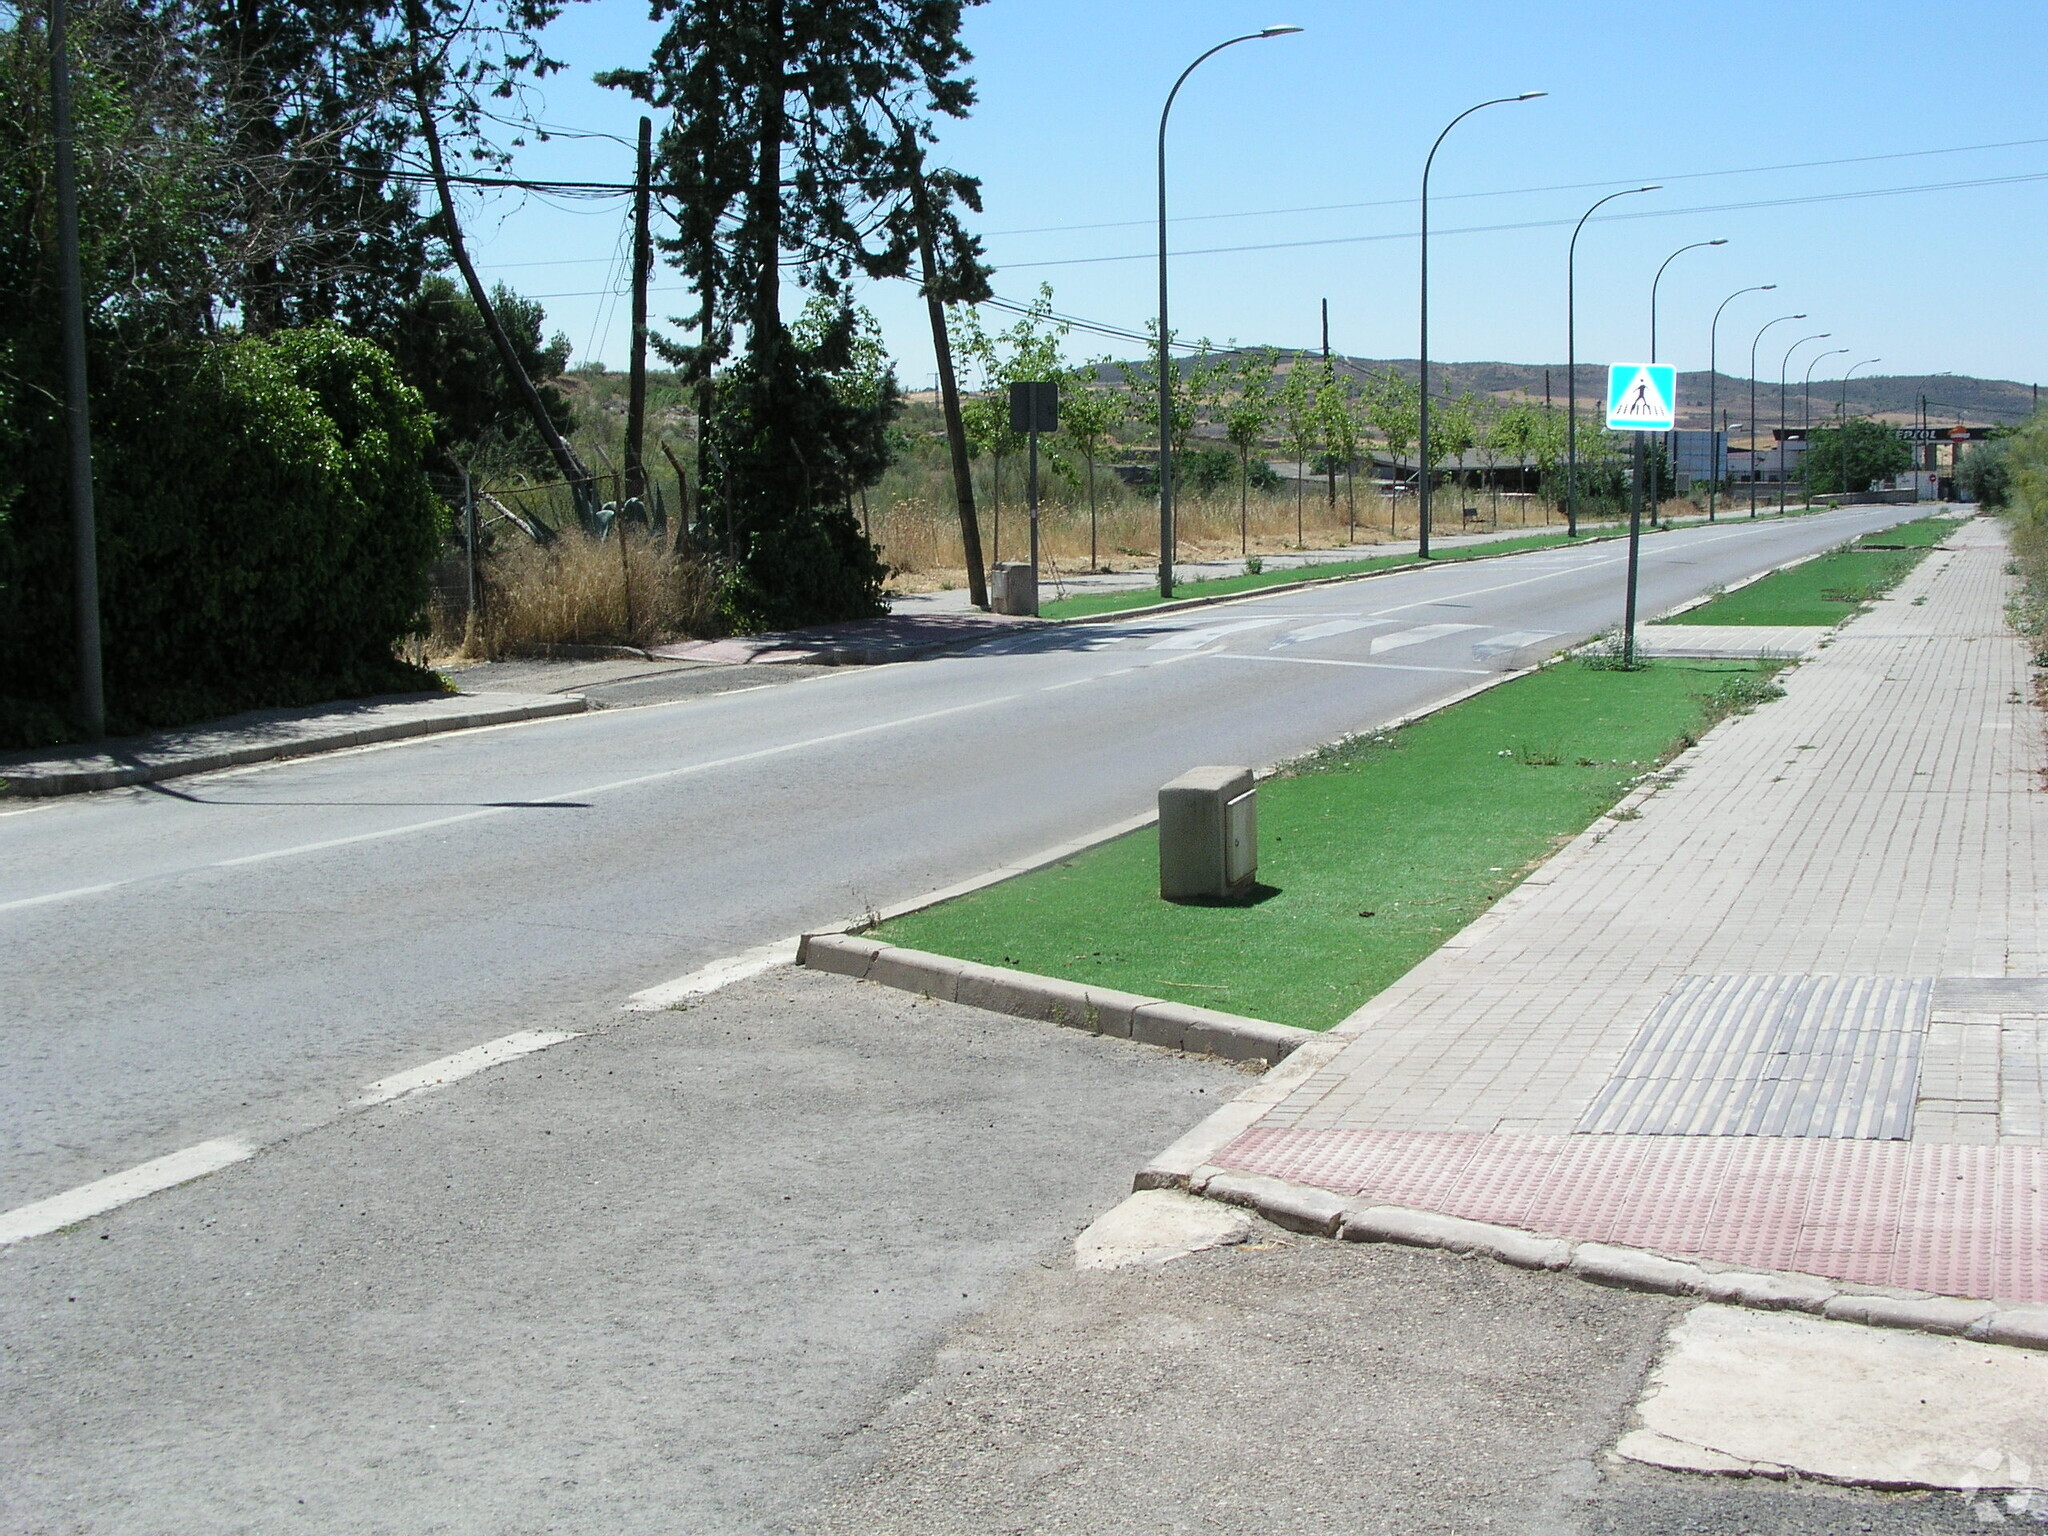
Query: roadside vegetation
{"points": [[1825, 591], [1372, 853], [2017, 467]]}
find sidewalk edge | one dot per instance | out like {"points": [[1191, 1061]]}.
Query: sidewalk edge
{"points": [[1096, 1010], [1323, 1213], [85, 780]]}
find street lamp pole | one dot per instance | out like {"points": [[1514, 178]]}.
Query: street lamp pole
{"points": [[1806, 409], [1166, 529], [1714, 394], [1783, 423], [1571, 364], [1752, 401], [1670, 438], [1422, 422]]}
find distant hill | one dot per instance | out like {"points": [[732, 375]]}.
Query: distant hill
{"points": [[1950, 397]]}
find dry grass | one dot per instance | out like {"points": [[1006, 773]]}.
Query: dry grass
{"points": [[579, 591], [919, 535]]}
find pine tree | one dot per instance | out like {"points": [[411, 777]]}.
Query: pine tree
{"points": [[786, 151]]}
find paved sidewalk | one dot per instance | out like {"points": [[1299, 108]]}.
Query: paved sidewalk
{"points": [[1790, 1011]]}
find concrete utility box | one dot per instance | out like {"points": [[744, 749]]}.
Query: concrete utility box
{"points": [[1013, 589], [1208, 835]]}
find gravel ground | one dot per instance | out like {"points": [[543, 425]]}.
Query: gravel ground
{"points": [[1301, 1386]]}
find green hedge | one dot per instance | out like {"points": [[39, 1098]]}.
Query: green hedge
{"points": [[265, 532]]}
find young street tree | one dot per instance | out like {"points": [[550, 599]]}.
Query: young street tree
{"points": [[1089, 414], [785, 152], [1247, 417], [1394, 408], [1301, 427]]}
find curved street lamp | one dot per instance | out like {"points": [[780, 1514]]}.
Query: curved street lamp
{"points": [[1571, 365], [1697, 245], [1752, 400], [1714, 392], [1806, 409], [1783, 423], [1422, 413], [1166, 529]]}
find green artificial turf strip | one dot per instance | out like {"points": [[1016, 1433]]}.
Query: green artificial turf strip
{"points": [[1375, 852], [1829, 589], [1089, 604]]}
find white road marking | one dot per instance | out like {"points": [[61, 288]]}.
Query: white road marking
{"points": [[1333, 661], [1513, 640], [719, 973], [453, 1069], [118, 1189], [1420, 635], [78, 890], [1194, 639], [1324, 631]]}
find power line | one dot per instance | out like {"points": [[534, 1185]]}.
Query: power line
{"points": [[1568, 186], [1489, 229]]}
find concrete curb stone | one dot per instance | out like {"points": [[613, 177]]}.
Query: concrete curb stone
{"points": [[1305, 1208], [1098, 1010]]}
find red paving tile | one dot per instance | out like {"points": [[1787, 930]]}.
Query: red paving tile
{"points": [[1955, 1220]]}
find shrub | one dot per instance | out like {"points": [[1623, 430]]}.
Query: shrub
{"points": [[265, 533]]}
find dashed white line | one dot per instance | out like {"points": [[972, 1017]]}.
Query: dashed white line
{"points": [[453, 1069], [118, 1189], [709, 978]]}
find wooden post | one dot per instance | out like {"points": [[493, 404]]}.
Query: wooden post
{"points": [[643, 255]]}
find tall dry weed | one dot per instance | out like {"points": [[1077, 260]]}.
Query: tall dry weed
{"points": [[580, 591]]}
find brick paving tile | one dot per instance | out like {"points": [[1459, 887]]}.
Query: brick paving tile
{"points": [[1886, 818]]}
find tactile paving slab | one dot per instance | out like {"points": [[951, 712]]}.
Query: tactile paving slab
{"points": [[1955, 1220], [1772, 1056]]}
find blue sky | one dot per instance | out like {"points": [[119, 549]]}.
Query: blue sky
{"points": [[1930, 281]]}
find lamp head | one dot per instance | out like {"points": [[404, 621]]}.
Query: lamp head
{"points": [[1717, 242], [1279, 31], [1768, 288], [1531, 95]]}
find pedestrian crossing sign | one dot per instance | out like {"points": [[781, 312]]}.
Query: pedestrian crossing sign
{"points": [[1642, 397]]}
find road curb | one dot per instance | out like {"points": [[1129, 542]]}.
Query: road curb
{"points": [[1097, 1010], [84, 780], [1322, 1213]]}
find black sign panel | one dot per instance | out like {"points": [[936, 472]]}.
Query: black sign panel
{"points": [[1035, 407]]}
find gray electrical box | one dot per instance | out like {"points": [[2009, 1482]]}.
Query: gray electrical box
{"points": [[1208, 835], [1013, 589]]}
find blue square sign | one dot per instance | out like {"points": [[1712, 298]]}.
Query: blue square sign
{"points": [[1642, 397]]}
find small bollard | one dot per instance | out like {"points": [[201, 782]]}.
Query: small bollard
{"points": [[1208, 835]]}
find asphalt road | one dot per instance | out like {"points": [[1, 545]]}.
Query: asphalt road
{"points": [[236, 955]]}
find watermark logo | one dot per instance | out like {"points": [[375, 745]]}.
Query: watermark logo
{"points": [[2000, 1488]]}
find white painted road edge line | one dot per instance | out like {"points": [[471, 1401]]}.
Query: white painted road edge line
{"points": [[719, 973], [453, 1069], [118, 1189]]}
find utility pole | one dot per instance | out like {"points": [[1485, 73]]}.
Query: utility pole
{"points": [[87, 685], [948, 380], [643, 259]]}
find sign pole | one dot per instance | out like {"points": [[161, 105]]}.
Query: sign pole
{"points": [[1641, 399], [1031, 501], [1635, 550]]}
